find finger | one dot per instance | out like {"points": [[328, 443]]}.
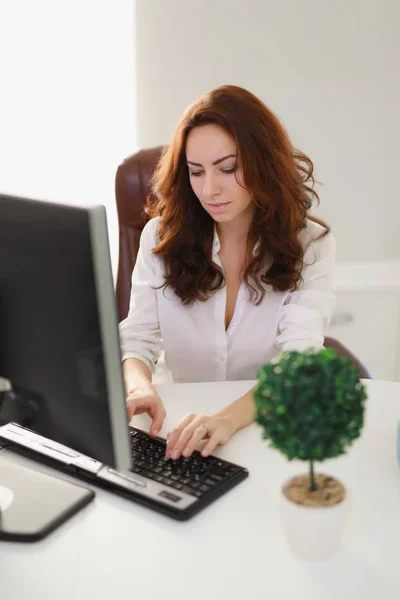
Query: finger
{"points": [[185, 436], [136, 406], [158, 414], [174, 435], [199, 434], [211, 444]]}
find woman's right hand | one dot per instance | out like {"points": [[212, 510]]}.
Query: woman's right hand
{"points": [[146, 400]]}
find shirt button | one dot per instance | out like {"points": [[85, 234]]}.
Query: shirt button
{"points": [[222, 358]]}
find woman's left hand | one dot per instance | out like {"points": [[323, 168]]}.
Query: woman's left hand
{"points": [[184, 439]]}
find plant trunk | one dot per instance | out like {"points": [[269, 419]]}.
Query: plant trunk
{"points": [[313, 484]]}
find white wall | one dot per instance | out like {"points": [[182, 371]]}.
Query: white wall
{"points": [[67, 100], [328, 69]]}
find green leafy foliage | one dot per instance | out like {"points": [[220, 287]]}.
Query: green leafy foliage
{"points": [[310, 405]]}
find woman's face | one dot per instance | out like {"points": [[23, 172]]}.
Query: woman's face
{"points": [[215, 174]]}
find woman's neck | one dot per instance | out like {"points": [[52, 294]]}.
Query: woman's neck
{"points": [[234, 233]]}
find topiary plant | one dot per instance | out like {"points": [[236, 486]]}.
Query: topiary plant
{"points": [[310, 405]]}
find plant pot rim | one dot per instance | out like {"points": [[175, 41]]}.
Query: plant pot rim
{"points": [[305, 506]]}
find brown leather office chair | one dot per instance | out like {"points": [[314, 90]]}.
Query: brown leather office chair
{"points": [[131, 189]]}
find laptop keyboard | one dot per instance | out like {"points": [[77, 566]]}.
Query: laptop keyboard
{"points": [[194, 475]]}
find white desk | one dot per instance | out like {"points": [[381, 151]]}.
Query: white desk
{"points": [[234, 549]]}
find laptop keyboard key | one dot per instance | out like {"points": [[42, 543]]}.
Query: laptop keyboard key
{"points": [[194, 475]]}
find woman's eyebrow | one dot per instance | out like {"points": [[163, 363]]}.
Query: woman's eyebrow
{"points": [[216, 162]]}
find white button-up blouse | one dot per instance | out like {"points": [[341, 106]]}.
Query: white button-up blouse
{"points": [[197, 347]]}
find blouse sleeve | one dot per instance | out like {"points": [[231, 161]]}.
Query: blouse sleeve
{"points": [[308, 310], [140, 331]]}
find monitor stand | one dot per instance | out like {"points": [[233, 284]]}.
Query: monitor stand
{"points": [[22, 406], [34, 503]]}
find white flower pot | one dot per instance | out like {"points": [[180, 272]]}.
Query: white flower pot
{"points": [[313, 533]]}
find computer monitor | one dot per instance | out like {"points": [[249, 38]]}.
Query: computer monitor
{"points": [[59, 343]]}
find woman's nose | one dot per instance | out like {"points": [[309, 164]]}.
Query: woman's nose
{"points": [[211, 187]]}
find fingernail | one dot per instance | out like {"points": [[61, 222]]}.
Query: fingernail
{"points": [[174, 454], [186, 452]]}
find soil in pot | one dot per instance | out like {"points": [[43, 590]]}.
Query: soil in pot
{"points": [[330, 491]]}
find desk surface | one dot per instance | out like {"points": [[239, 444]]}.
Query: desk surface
{"points": [[235, 548]]}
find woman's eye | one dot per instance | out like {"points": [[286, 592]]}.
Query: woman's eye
{"points": [[195, 173], [229, 171]]}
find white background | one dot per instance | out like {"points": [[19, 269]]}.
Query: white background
{"points": [[70, 106], [67, 100], [329, 69]]}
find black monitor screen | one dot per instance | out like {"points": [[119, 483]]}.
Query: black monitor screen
{"points": [[59, 344]]}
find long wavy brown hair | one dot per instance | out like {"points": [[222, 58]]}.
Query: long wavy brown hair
{"points": [[279, 178]]}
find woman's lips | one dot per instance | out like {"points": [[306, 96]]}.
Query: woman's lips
{"points": [[219, 207]]}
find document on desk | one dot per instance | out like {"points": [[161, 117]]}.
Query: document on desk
{"points": [[29, 439]]}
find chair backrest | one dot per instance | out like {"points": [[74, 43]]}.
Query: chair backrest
{"points": [[131, 190], [342, 350]]}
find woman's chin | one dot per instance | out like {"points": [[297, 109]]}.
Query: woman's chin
{"points": [[221, 218]]}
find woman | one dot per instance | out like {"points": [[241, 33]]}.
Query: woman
{"points": [[231, 270]]}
